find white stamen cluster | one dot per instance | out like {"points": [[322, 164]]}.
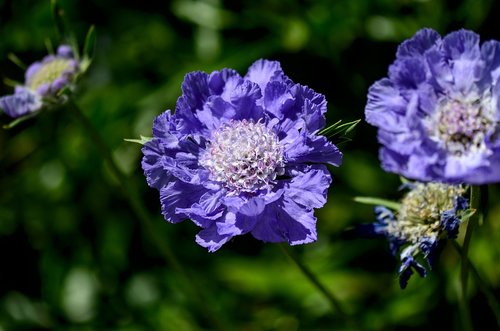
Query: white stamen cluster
{"points": [[461, 125], [244, 156], [48, 72], [421, 209]]}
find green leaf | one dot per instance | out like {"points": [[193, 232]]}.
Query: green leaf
{"points": [[19, 120], [66, 90], [13, 57], [337, 129], [349, 126], [89, 46], [49, 46], [330, 128], [466, 214], [378, 202], [11, 82], [141, 141]]}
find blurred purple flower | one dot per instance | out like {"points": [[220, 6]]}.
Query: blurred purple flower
{"points": [[438, 110], [242, 154], [43, 81], [428, 213]]}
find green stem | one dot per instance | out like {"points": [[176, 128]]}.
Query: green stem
{"points": [[140, 212], [483, 287], [334, 302], [475, 203]]}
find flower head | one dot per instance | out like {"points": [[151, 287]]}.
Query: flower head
{"points": [[438, 112], [428, 213], [43, 82], [242, 155]]}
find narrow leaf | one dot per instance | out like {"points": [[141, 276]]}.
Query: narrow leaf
{"points": [[466, 214], [330, 128], [89, 47], [378, 202], [141, 141], [11, 82], [49, 46], [13, 57], [352, 126], [18, 121]]}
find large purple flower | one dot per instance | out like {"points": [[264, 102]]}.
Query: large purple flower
{"points": [[242, 154], [43, 82], [438, 111]]}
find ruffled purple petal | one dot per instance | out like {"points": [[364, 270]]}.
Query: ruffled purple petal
{"points": [[215, 112], [309, 187], [244, 99], [195, 93], [262, 72], [490, 52], [423, 40], [408, 73], [278, 99], [163, 127], [310, 148], [211, 239], [408, 264], [386, 107], [237, 224], [23, 102], [195, 90], [451, 223], [312, 107], [218, 80], [285, 220], [169, 157], [177, 195], [32, 69], [206, 211], [152, 164], [462, 44], [65, 51], [462, 50]]}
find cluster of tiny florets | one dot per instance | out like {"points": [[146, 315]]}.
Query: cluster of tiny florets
{"points": [[244, 156], [421, 211], [461, 125], [49, 72]]}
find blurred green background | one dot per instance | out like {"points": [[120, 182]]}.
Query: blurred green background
{"points": [[74, 257]]}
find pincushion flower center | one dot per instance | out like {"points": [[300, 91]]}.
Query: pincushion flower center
{"points": [[244, 156], [461, 125], [421, 210], [48, 72]]}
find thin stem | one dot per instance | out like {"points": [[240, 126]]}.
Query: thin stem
{"points": [[140, 212], [475, 203], [334, 302], [483, 286]]}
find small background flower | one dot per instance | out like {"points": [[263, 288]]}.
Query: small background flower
{"points": [[44, 80], [427, 214], [437, 112], [242, 155]]}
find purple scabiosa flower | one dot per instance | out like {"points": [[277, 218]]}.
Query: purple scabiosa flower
{"points": [[428, 213], [437, 112], [43, 82], [242, 155]]}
